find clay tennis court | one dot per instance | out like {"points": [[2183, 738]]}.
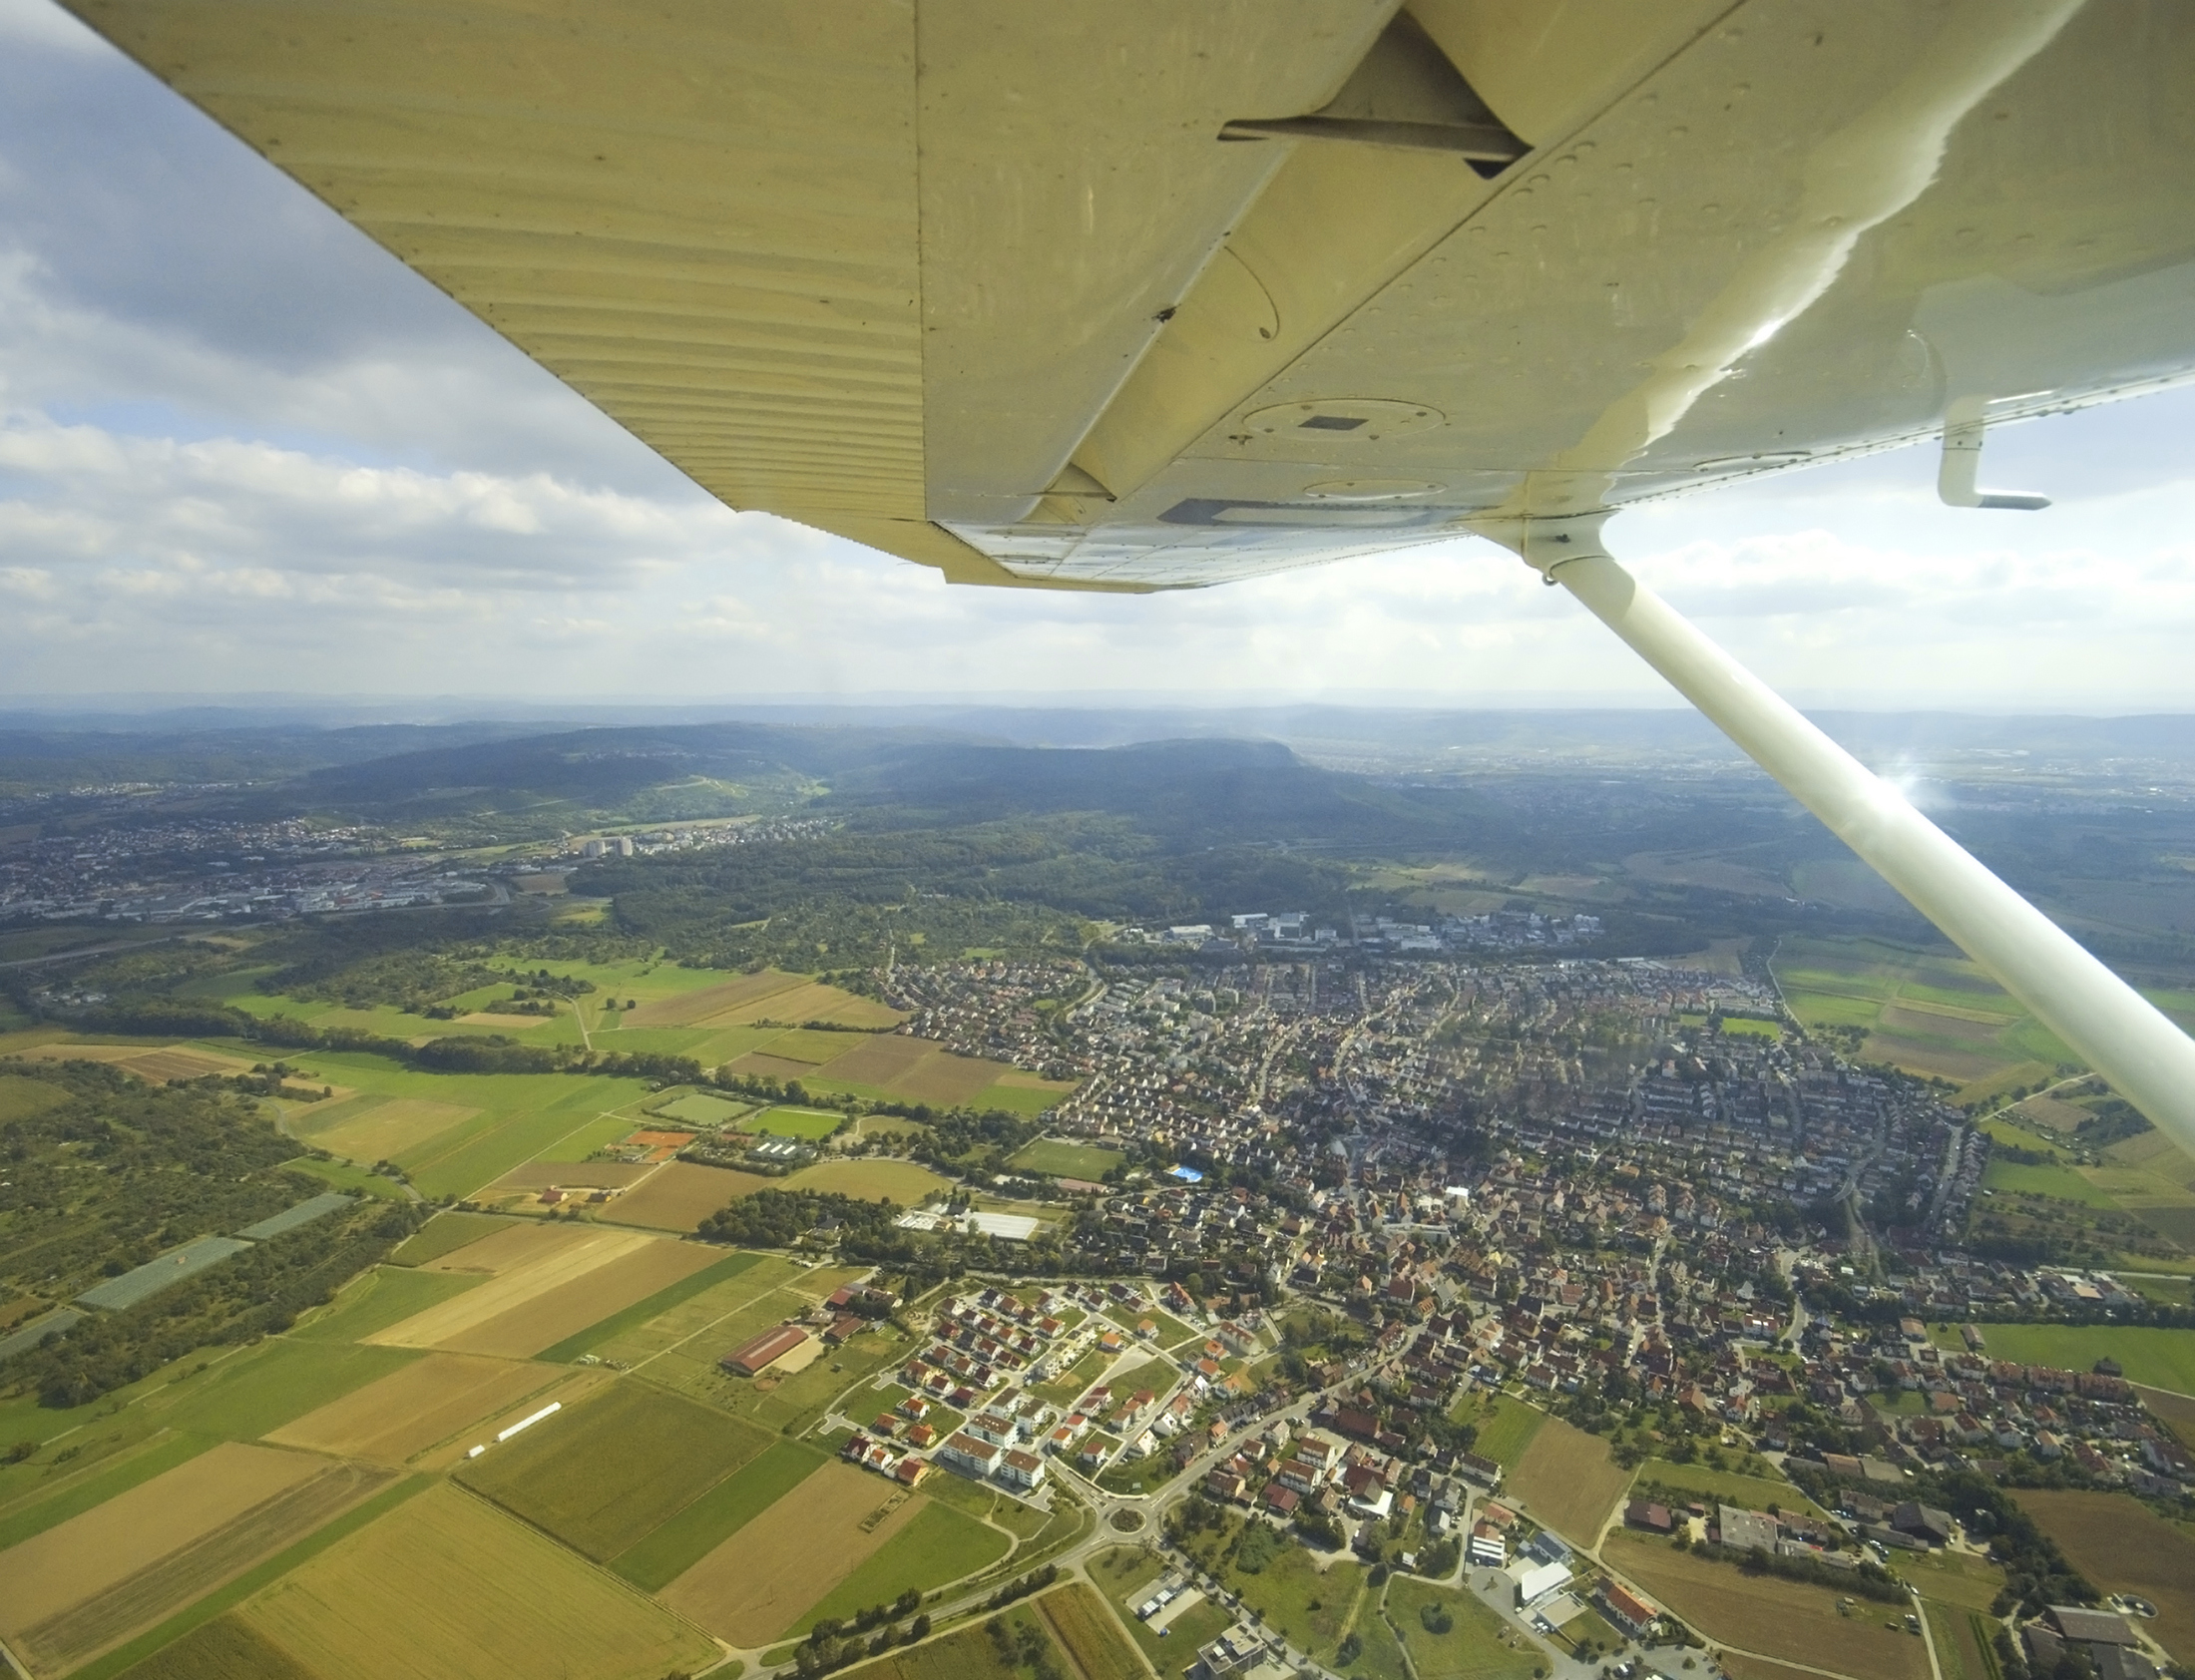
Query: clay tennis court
{"points": [[694, 1008], [408, 1410], [462, 1318], [681, 1194], [760, 1582], [384, 1130], [548, 1318]]}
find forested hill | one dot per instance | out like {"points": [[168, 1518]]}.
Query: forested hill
{"points": [[1188, 792]]}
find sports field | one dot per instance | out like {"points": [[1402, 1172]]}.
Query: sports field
{"points": [[603, 1475], [678, 1195], [445, 1587], [1569, 1480], [1790, 1620], [2124, 1547], [1059, 1158], [899, 1181], [755, 1587], [409, 1410]]}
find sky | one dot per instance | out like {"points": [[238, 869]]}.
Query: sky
{"points": [[244, 450]]}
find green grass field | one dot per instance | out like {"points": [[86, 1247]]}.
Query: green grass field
{"points": [[2059, 1182], [812, 1123], [1057, 1158], [384, 1296], [2157, 1359], [445, 1233], [1754, 1493], [1503, 1436], [614, 1467], [659, 1558], [938, 1546], [1475, 1644], [342, 1176], [268, 1386]]}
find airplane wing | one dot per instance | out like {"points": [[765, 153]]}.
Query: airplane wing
{"points": [[1140, 295], [1152, 294]]}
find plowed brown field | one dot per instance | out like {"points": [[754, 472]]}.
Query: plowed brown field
{"points": [[408, 1410], [879, 1061], [760, 1582]]}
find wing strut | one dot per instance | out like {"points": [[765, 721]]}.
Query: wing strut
{"points": [[2106, 1022]]}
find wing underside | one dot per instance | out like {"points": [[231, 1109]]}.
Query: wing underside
{"points": [[1154, 293]]}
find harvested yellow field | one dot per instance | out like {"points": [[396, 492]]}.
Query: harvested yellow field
{"points": [[760, 1582], [446, 1587], [451, 1321], [879, 1061], [703, 1007], [949, 1080], [678, 1195], [1569, 1481], [511, 1248], [408, 1410], [385, 1131], [87, 1584], [548, 1318]]}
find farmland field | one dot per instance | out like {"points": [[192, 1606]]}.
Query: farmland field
{"points": [[446, 1587], [380, 1129], [1755, 1492], [1061, 1159], [266, 1386], [2157, 1359], [225, 1648], [607, 1473], [756, 1585], [1507, 1433], [1477, 1645], [899, 1181], [812, 1123], [2123, 1547], [1569, 1480], [93, 1581], [560, 1315], [937, 1545], [408, 1410], [1087, 1633], [444, 1234], [716, 1318], [706, 1003], [382, 1297], [1778, 1618], [678, 1195], [654, 1306], [2059, 1181], [966, 1653], [659, 1558]]}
